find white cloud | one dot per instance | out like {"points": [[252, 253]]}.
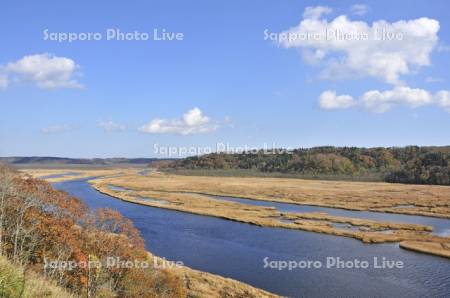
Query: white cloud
{"points": [[313, 57], [111, 126], [359, 9], [315, 12], [359, 49], [192, 122], [45, 70], [329, 101], [382, 101], [59, 128]]}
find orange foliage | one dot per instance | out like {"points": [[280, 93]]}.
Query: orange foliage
{"points": [[40, 225]]}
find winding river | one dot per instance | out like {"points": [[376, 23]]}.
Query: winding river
{"points": [[239, 251]]}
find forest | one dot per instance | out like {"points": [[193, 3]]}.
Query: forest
{"points": [[40, 226], [412, 164]]}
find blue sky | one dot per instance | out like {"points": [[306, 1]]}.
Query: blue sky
{"points": [[119, 98]]}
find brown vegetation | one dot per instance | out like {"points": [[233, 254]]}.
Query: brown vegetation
{"points": [[426, 200], [435, 248]]}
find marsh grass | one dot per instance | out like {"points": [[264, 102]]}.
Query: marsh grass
{"points": [[363, 177]]}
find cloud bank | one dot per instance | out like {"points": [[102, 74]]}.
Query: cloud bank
{"points": [[346, 48]]}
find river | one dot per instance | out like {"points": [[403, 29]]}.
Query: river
{"points": [[239, 251]]}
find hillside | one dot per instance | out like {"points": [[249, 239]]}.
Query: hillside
{"points": [[412, 164]]}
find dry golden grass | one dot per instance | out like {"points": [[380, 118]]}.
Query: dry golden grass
{"points": [[439, 249], [426, 200]]}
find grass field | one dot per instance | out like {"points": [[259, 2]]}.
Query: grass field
{"points": [[366, 177], [427, 200]]}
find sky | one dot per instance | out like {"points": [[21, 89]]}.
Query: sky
{"points": [[227, 74]]}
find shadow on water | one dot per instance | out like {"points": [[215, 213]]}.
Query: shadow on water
{"points": [[238, 251]]}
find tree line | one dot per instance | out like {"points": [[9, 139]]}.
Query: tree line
{"points": [[39, 224], [412, 164]]}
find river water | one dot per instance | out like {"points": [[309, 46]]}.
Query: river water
{"points": [[242, 252]]}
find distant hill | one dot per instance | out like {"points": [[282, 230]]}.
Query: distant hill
{"points": [[59, 161], [412, 164]]}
